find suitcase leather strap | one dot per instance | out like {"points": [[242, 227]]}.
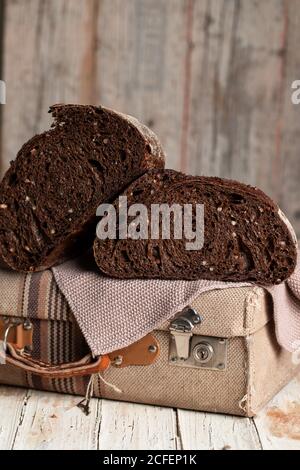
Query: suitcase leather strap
{"points": [[141, 353], [86, 366], [17, 337]]}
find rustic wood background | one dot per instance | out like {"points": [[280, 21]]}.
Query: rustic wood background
{"points": [[211, 77], [34, 420]]}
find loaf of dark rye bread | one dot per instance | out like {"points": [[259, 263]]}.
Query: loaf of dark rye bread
{"points": [[246, 236], [49, 195]]}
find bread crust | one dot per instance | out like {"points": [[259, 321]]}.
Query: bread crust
{"points": [[91, 152], [246, 237]]}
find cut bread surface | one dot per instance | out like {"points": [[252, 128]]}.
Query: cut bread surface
{"points": [[49, 195], [245, 235]]}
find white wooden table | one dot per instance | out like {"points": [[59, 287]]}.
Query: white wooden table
{"points": [[40, 420]]}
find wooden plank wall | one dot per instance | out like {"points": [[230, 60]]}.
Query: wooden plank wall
{"points": [[1, 74], [211, 77]]}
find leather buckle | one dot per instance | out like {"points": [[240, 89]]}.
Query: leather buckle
{"points": [[141, 353]]}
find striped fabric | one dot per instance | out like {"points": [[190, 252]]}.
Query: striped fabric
{"points": [[56, 336], [241, 314]]}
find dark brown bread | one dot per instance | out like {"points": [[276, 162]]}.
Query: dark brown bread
{"points": [[246, 236], [49, 195], [3, 265]]}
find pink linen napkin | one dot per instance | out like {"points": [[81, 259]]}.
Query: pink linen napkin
{"points": [[114, 313]]}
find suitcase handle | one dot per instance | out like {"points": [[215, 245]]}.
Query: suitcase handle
{"points": [[143, 352], [85, 366]]}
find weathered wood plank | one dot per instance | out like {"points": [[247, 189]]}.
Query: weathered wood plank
{"points": [[132, 70], [127, 426], [211, 77], [2, 4], [53, 421], [240, 122], [12, 402], [48, 47], [41, 420], [209, 431], [278, 424], [141, 64], [1, 74], [289, 125], [235, 67], [132, 60]]}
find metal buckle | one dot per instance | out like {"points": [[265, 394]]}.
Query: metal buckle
{"points": [[23, 333], [196, 351], [181, 331], [9, 327]]}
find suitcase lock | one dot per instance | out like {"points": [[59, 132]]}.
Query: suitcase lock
{"points": [[188, 350]]}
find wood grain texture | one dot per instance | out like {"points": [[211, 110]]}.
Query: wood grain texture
{"points": [[2, 12], [238, 118], [127, 426], [53, 422], [208, 431], [12, 402], [211, 77], [289, 124], [42, 420], [278, 424], [235, 82], [34, 420], [2, 5], [141, 61], [48, 61]]}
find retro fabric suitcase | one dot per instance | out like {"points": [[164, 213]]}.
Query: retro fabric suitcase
{"points": [[218, 355]]}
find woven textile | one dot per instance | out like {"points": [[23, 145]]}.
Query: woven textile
{"points": [[286, 301], [114, 313]]}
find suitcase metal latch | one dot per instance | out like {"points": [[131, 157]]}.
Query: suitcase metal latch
{"points": [[190, 350], [181, 331]]}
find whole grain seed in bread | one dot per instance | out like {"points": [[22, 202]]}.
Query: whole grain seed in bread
{"points": [[246, 236], [49, 195]]}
